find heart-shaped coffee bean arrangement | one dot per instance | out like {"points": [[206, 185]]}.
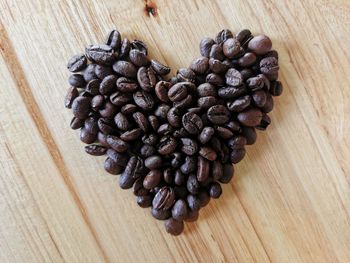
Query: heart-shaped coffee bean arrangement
{"points": [[174, 140]]}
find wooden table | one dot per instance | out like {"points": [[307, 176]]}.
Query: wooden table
{"points": [[290, 199]]}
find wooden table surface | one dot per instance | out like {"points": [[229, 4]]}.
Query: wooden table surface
{"points": [[290, 198]]}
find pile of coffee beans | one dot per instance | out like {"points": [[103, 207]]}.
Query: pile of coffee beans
{"points": [[173, 140]]}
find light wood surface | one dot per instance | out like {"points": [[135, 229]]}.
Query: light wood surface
{"points": [[290, 198]]}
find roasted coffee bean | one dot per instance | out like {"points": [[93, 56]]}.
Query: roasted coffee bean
{"points": [[189, 165], [223, 35], [133, 170], [150, 139], [203, 169], [200, 65], [179, 177], [217, 66], [122, 122], [102, 139], [204, 197], [153, 162], [231, 48], [250, 118], [206, 102], [159, 68], [233, 77], [77, 63], [90, 125], [216, 52], [93, 87], [125, 69], [215, 190], [177, 92], [146, 78], [192, 184], [239, 104], [126, 181], [102, 71], [260, 44], [174, 227], [147, 150], [152, 179], [141, 121], [180, 133], [95, 149], [101, 54], [144, 100], [162, 111], [215, 79], [269, 65], [124, 48], [268, 104], [206, 89], [192, 123], [179, 210], [121, 159], [183, 104], [217, 170], [206, 134], [128, 109], [154, 122], [237, 155], [218, 114], [193, 202], [208, 153], [131, 135], [229, 92], [176, 160], [114, 39], [167, 145], [108, 110], [126, 85], [224, 133], [87, 137], [111, 167], [76, 80], [139, 45], [186, 75], [76, 123], [237, 142], [72, 93], [81, 107], [276, 88], [174, 117], [246, 73], [259, 98], [105, 125], [165, 129], [144, 201], [234, 126], [108, 84], [244, 36], [89, 73], [160, 214], [164, 199], [259, 82], [117, 144], [250, 134], [138, 58], [192, 216], [205, 46], [189, 146], [247, 60], [161, 90], [265, 122]]}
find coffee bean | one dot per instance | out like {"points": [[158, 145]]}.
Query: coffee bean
{"points": [[154, 122], [117, 144], [259, 98], [162, 111], [87, 137], [268, 106], [150, 139], [168, 176], [126, 85], [167, 145], [192, 184], [234, 126], [89, 73], [250, 134], [177, 92], [102, 139], [124, 48], [114, 39], [203, 169], [153, 162], [192, 123], [223, 35], [90, 125], [224, 133], [102, 71], [204, 198], [247, 60], [144, 100], [208, 153], [239, 104], [108, 110], [176, 160], [186, 75], [121, 159], [138, 58], [259, 82], [141, 121], [165, 129], [77, 63], [237, 155], [108, 84], [246, 73], [179, 210], [161, 90], [174, 227], [144, 201], [215, 79], [185, 103], [152, 179], [233, 77], [250, 118], [72, 93], [229, 92], [193, 202], [269, 65], [159, 68], [147, 150], [237, 142], [111, 167], [139, 45], [95, 149], [146, 78], [101, 54], [139, 190], [76, 123], [244, 36], [192, 216], [189, 146], [164, 199], [206, 134], [231, 47], [215, 190], [206, 102], [122, 122], [276, 88], [260, 44], [179, 177], [206, 89], [131, 135], [76, 80], [173, 117], [160, 214], [105, 125], [125, 69], [189, 165], [205, 46], [265, 122], [200, 65], [133, 170], [217, 66], [81, 107], [218, 114], [216, 52]]}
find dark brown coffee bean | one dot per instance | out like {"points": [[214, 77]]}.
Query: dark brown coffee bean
{"points": [[76, 123], [139, 45], [89, 73], [141, 121], [234, 126], [111, 167], [224, 133], [125, 69], [102, 139], [162, 111], [101, 54], [105, 125], [183, 104], [189, 146], [176, 160], [206, 134], [160, 214], [174, 117], [233, 78], [179, 210], [114, 39], [174, 227], [138, 58], [223, 35], [102, 71], [215, 190], [206, 102], [205, 46], [121, 159], [193, 202], [216, 52], [244, 36], [152, 179], [150, 139], [208, 153], [265, 122], [126, 85], [250, 118], [192, 216], [108, 84], [124, 48], [146, 78], [250, 134], [147, 150], [217, 170], [246, 73], [260, 44], [259, 82], [259, 98], [72, 93], [77, 63], [268, 104], [90, 125], [217, 66], [218, 114], [204, 198], [95, 149], [144, 201], [231, 92], [159, 68], [108, 110], [276, 88], [144, 100], [237, 142], [167, 145], [128, 109], [189, 165], [93, 87], [239, 104], [203, 169], [126, 181], [215, 79], [206, 89], [237, 155], [87, 137], [131, 135], [231, 48], [165, 129], [117, 144], [119, 98], [186, 75], [153, 120], [168, 176], [153, 162], [76, 80], [247, 60], [179, 178], [122, 122], [177, 92], [81, 107], [161, 90], [200, 65], [133, 170], [192, 123], [192, 184], [164, 199], [269, 65]]}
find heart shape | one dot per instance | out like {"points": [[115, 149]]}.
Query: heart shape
{"points": [[174, 141]]}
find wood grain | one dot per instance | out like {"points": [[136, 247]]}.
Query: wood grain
{"points": [[290, 199]]}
